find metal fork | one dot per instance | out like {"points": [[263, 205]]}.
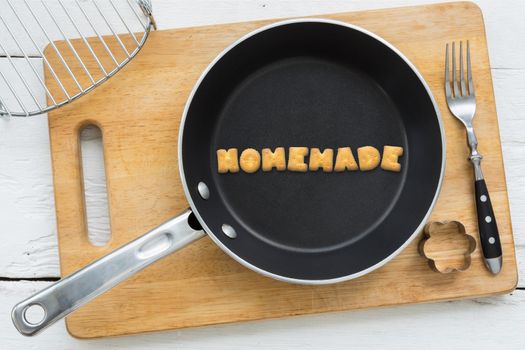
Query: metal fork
{"points": [[461, 101]]}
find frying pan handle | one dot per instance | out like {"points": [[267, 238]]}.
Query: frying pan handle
{"points": [[73, 291]]}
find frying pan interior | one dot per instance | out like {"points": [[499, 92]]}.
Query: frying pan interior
{"points": [[314, 84]]}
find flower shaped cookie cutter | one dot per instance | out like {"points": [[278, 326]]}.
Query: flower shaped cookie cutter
{"points": [[447, 246]]}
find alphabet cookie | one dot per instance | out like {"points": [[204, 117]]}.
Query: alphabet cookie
{"points": [[227, 161], [276, 159], [391, 155], [369, 158]]}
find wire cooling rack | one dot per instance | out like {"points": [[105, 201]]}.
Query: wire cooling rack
{"points": [[58, 38]]}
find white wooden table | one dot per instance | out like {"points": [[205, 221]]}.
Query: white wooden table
{"points": [[28, 249]]}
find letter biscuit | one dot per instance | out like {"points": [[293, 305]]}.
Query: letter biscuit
{"points": [[391, 156], [345, 160], [323, 159], [296, 159], [272, 160], [227, 161], [369, 158], [250, 160]]}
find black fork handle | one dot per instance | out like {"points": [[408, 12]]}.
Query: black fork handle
{"points": [[488, 228]]}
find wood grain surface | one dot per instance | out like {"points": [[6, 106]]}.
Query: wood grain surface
{"points": [[139, 114]]}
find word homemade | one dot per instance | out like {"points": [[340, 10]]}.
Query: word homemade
{"points": [[251, 160]]}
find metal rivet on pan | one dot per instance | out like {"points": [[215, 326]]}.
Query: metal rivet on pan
{"points": [[492, 240], [483, 198], [488, 219], [204, 191], [229, 231]]}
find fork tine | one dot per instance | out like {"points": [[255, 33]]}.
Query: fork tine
{"points": [[461, 71], [448, 92], [469, 72], [454, 73]]}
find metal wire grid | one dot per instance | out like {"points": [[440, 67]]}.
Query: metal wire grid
{"points": [[116, 31]]}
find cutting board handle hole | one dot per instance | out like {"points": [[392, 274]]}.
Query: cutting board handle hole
{"points": [[94, 185]]}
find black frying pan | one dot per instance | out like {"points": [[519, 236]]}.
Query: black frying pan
{"points": [[313, 83]]}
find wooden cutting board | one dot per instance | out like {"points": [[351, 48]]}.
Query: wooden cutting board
{"points": [[139, 112]]}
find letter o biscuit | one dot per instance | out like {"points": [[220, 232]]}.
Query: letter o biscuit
{"points": [[250, 160]]}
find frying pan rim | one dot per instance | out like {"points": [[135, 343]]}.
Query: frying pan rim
{"points": [[257, 269]]}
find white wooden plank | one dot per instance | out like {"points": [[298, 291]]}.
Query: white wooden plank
{"points": [[491, 322], [510, 104], [18, 79], [19, 8], [504, 23], [95, 185], [29, 247], [503, 18]]}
